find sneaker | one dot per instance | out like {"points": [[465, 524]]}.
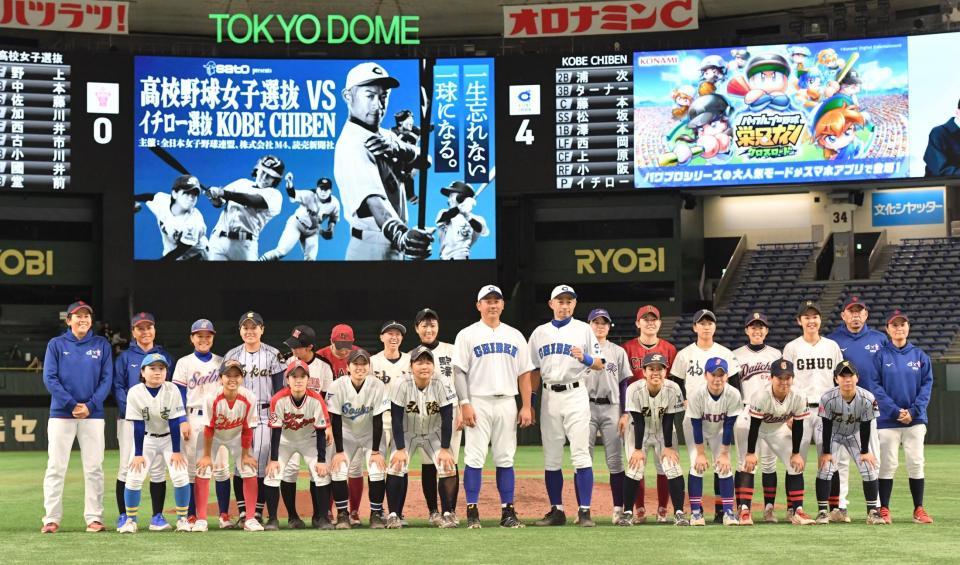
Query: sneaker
{"points": [[52, 527], [509, 519], [554, 517], [822, 517], [447, 520], [192, 519], [296, 524], [128, 527], [226, 523], [696, 518], [473, 517], [199, 526], [393, 522], [662, 515], [639, 515], [583, 518], [730, 519], [920, 516], [840, 516], [121, 520], [718, 518], [626, 519], [885, 514], [343, 521], [617, 513], [96, 527], [376, 521], [184, 525], [435, 519], [158, 523], [252, 525], [355, 519], [322, 523], [746, 518], [875, 519], [800, 518], [769, 516], [680, 519], [272, 525]]}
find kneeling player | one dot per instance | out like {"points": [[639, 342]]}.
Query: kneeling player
{"points": [[356, 408], [231, 417], [847, 413], [770, 411], [298, 417], [422, 412], [156, 410], [652, 403], [713, 412]]}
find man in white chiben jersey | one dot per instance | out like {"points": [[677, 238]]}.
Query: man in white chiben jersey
{"points": [[181, 225], [847, 422], [755, 358], [247, 207], [313, 208], [491, 365], [563, 351], [814, 358]]}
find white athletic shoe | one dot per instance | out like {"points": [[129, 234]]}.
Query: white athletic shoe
{"points": [[252, 525], [617, 513], [199, 526], [128, 527], [769, 516], [184, 525]]}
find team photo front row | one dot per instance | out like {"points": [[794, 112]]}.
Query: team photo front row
{"points": [[248, 420]]}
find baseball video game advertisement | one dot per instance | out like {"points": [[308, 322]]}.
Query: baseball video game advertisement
{"points": [[314, 160]]}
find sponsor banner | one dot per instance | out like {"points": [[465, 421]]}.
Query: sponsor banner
{"points": [[907, 207], [86, 16], [47, 262], [597, 18], [608, 260]]}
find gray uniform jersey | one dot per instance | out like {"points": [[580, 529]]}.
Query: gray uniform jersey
{"points": [[669, 400], [605, 383], [714, 411], [847, 416], [421, 407]]}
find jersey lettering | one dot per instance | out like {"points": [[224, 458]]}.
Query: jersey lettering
{"points": [[498, 347], [810, 364], [353, 413]]}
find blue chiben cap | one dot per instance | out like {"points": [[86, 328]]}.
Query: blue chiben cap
{"points": [[202, 325], [599, 313], [151, 358], [715, 363]]}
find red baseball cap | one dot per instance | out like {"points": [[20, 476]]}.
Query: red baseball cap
{"points": [[141, 318], [648, 309], [854, 301], [77, 306], [295, 364], [342, 336], [897, 314]]}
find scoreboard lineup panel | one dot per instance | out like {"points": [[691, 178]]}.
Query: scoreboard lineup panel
{"points": [[34, 120]]}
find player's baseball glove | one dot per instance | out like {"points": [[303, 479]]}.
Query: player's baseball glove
{"points": [[412, 242], [327, 233]]}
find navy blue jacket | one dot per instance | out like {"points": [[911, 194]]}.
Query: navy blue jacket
{"points": [[126, 372], [77, 371], [943, 151], [904, 380], [860, 348]]}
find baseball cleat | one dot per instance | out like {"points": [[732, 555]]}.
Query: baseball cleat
{"points": [[583, 518], [662, 515], [730, 519], [393, 522], [158, 523], [52, 527], [121, 520], [192, 519], [822, 517], [435, 519], [509, 519], [473, 517], [746, 519], [680, 519], [639, 515], [875, 519], [376, 520], [718, 518], [128, 527], [555, 517], [447, 520], [920, 516], [840, 516], [96, 527], [696, 518], [769, 516], [226, 523], [355, 519], [885, 514], [184, 525], [800, 518], [296, 524], [199, 526], [252, 525], [617, 513], [343, 521], [272, 525], [626, 519]]}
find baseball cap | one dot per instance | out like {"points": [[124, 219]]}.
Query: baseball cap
{"points": [[202, 325], [458, 187], [756, 317], [420, 351], [369, 73], [599, 313], [231, 364], [301, 336], [295, 364], [342, 336], [358, 353], [854, 301], [701, 314], [488, 290], [188, 183], [845, 367], [151, 358], [648, 309], [654, 359], [323, 183], [808, 305], [424, 314], [781, 368], [393, 325], [142, 317], [79, 305], [715, 363], [253, 316], [562, 289], [897, 314]]}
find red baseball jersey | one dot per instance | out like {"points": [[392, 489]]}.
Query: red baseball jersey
{"points": [[231, 419], [636, 351], [299, 423], [338, 365]]}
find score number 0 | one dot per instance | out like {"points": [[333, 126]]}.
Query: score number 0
{"points": [[524, 133]]}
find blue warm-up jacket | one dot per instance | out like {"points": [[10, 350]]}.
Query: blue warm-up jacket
{"points": [[77, 371]]}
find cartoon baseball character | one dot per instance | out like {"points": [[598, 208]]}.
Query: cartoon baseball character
{"points": [[682, 96], [828, 58], [809, 87], [181, 225], [835, 129], [249, 205], [711, 133], [713, 70], [798, 55], [739, 60], [457, 226], [764, 87], [315, 207]]}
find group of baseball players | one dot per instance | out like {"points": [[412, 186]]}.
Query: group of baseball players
{"points": [[374, 169], [255, 414]]}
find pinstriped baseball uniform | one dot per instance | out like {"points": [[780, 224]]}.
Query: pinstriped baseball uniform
{"points": [[754, 377], [668, 400], [847, 417], [258, 369], [421, 416], [774, 434]]}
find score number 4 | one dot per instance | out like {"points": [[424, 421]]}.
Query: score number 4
{"points": [[524, 133]]}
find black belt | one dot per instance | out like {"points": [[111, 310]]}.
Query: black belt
{"points": [[159, 435], [813, 405], [600, 401], [241, 235], [562, 388], [356, 233], [197, 411], [265, 406]]}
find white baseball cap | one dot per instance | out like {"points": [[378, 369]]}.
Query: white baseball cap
{"points": [[370, 73], [562, 289], [487, 290]]}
